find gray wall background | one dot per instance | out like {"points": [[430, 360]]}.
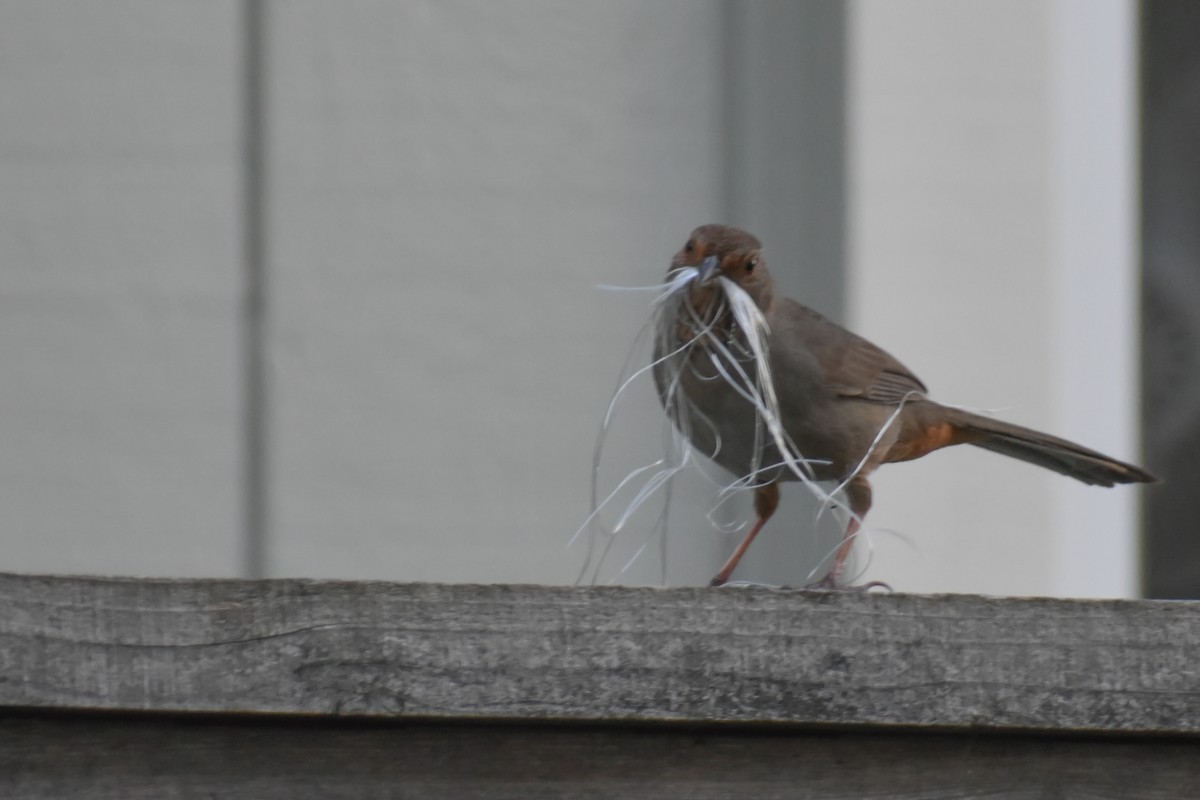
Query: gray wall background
{"points": [[120, 284], [424, 196], [303, 288]]}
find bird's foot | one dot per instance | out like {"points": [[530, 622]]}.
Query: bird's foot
{"points": [[827, 584], [830, 584]]}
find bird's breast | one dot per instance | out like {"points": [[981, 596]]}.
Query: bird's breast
{"points": [[708, 384]]}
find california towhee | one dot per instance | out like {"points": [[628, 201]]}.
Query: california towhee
{"points": [[844, 405]]}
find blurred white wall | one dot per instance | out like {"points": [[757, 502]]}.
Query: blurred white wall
{"points": [[992, 238], [445, 185]]}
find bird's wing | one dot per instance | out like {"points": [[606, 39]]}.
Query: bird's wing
{"points": [[849, 364]]}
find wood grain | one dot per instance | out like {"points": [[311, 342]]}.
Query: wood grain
{"points": [[469, 652]]}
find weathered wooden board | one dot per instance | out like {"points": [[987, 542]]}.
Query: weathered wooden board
{"points": [[607, 654], [128, 758]]}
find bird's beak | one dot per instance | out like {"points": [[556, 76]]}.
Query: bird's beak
{"points": [[708, 270]]}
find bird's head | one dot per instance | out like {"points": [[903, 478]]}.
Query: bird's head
{"points": [[724, 251]]}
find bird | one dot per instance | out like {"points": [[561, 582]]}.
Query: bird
{"points": [[845, 407]]}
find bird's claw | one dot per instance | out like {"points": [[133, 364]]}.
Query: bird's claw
{"points": [[830, 584], [827, 584]]}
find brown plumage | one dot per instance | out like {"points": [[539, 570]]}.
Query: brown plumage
{"points": [[836, 393]]}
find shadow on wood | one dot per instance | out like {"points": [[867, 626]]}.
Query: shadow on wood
{"points": [[153, 757]]}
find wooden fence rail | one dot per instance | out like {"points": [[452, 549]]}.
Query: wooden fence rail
{"points": [[296, 688]]}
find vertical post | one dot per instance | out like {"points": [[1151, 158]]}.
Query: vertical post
{"points": [[1170, 293]]}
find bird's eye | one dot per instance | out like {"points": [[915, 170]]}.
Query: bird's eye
{"points": [[751, 264], [690, 247]]}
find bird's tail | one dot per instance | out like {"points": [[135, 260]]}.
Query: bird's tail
{"points": [[1047, 451]]}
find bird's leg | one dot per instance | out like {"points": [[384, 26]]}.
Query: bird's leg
{"points": [[766, 500], [858, 498]]}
